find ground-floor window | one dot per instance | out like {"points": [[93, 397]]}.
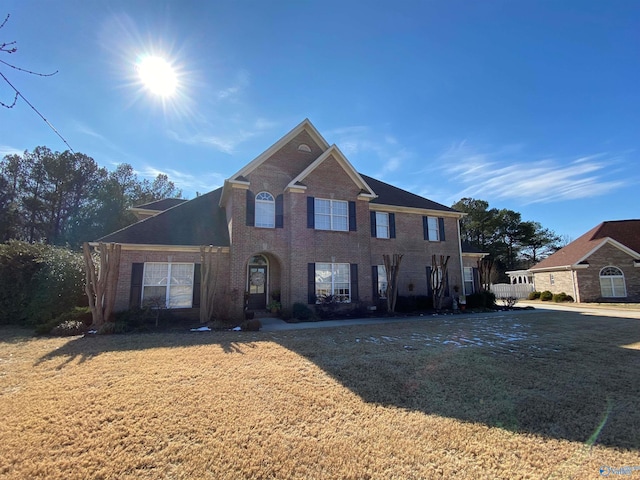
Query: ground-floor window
{"points": [[167, 285], [333, 282], [612, 282], [383, 283], [468, 280]]}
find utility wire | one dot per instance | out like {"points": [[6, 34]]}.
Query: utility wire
{"points": [[18, 94]]}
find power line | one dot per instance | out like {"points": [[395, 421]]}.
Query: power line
{"points": [[18, 94]]}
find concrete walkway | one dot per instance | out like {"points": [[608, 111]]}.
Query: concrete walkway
{"points": [[272, 324], [623, 310]]}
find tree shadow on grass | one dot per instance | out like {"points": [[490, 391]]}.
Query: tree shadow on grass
{"points": [[84, 348], [560, 375]]}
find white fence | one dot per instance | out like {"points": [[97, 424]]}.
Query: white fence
{"points": [[518, 290]]}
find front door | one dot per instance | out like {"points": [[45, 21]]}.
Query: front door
{"points": [[257, 287]]}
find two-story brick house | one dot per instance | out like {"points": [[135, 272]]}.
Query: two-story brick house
{"points": [[298, 221]]}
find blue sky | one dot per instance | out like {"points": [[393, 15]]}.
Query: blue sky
{"points": [[531, 105]]}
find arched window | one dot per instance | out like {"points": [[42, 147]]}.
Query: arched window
{"points": [[612, 282], [265, 210]]}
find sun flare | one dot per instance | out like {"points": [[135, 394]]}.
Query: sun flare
{"points": [[157, 75]]}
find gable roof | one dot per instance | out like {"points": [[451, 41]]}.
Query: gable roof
{"points": [[160, 205], [624, 234], [333, 150], [390, 195], [195, 222]]}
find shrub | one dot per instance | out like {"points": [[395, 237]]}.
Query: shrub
{"points": [[251, 325], [301, 311], [559, 297], [80, 315], [534, 295], [483, 299], [68, 328], [569, 298], [546, 296], [38, 282]]}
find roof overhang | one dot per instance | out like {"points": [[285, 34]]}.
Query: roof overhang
{"points": [[561, 268], [366, 192], [612, 242], [160, 248], [379, 207]]}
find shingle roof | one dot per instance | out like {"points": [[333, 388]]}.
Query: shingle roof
{"points": [[161, 205], [626, 232], [200, 221], [390, 195]]}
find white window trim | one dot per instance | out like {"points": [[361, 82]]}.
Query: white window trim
{"points": [[333, 282], [466, 280], [434, 234], [265, 221], [386, 233], [167, 303], [610, 279], [332, 216]]}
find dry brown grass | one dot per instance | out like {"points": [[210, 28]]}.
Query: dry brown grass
{"points": [[513, 396]]}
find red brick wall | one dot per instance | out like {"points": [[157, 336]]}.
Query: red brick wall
{"points": [[128, 257]]}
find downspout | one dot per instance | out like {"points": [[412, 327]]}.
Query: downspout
{"points": [[574, 280], [460, 254]]}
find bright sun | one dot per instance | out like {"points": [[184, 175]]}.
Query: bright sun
{"points": [[157, 75]]}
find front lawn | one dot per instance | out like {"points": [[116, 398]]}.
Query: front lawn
{"points": [[507, 395]]}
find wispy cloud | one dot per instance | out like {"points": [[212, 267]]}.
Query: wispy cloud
{"points": [[547, 179], [232, 92], [189, 183], [7, 150], [224, 138], [380, 149]]}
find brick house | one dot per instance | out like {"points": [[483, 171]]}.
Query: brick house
{"points": [[603, 265], [298, 222]]}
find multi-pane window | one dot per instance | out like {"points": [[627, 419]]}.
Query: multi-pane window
{"points": [[265, 210], [612, 282], [331, 214], [333, 282], [468, 280], [382, 225], [434, 230], [168, 285], [383, 283]]}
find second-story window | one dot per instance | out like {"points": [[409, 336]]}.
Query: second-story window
{"points": [[382, 225], [331, 214], [265, 210]]}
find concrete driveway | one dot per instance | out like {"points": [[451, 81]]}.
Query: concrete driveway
{"points": [[271, 324]]}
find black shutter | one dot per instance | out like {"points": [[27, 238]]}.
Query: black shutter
{"points": [[429, 287], [251, 209], [441, 228], [135, 294], [373, 225], [392, 225], [374, 282], [279, 211], [354, 282], [311, 209], [197, 280], [425, 228], [476, 280], [352, 217], [311, 283]]}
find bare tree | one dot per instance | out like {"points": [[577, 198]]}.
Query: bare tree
{"points": [[439, 279], [485, 265], [392, 267], [101, 280], [209, 281]]}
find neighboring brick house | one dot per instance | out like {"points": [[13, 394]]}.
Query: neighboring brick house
{"points": [[299, 222], [603, 265]]}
